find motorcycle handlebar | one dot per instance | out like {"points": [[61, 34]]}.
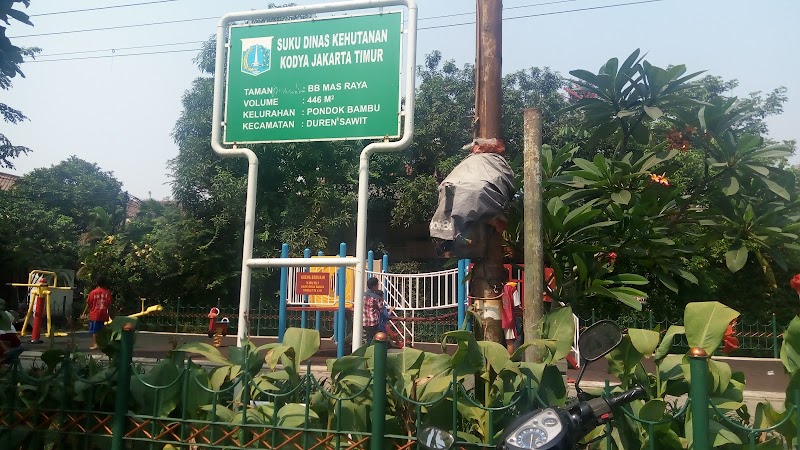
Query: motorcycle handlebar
{"points": [[626, 397]]}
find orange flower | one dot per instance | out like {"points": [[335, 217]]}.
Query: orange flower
{"points": [[659, 179], [730, 342]]}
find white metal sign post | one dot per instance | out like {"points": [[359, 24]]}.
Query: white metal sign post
{"points": [[262, 107]]}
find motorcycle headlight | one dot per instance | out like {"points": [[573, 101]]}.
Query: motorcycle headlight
{"points": [[537, 432]]}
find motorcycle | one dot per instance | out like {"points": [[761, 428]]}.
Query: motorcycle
{"points": [[557, 428]]}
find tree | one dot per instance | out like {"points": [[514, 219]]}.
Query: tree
{"points": [[621, 210], [52, 213], [10, 61], [160, 255], [74, 188], [33, 236]]}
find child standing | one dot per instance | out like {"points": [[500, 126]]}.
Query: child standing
{"points": [[97, 305]]}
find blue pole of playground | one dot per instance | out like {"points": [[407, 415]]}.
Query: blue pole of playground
{"points": [[283, 288], [318, 319], [370, 258], [342, 319], [462, 273], [306, 254]]}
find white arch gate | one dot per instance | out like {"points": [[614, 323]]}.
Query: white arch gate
{"points": [[410, 295]]}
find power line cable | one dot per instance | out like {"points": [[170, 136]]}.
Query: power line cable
{"points": [[168, 22], [114, 56], [421, 28], [135, 47], [200, 42], [117, 27], [101, 8], [505, 8], [547, 13]]}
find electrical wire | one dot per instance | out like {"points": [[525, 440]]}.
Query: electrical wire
{"points": [[591, 8], [200, 42], [117, 27], [113, 56], [505, 8], [101, 8], [135, 47], [168, 22]]}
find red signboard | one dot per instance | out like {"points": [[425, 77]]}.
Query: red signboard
{"points": [[312, 283]]}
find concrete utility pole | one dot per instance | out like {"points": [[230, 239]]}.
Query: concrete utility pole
{"points": [[487, 276], [534, 252]]}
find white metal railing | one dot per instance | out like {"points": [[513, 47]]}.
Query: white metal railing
{"points": [[407, 293]]}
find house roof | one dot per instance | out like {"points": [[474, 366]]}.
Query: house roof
{"points": [[7, 180]]}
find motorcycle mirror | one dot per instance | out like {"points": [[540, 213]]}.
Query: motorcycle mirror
{"points": [[594, 343], [434, 438], [598, 340]]}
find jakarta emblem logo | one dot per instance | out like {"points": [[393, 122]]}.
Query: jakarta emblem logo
{"points": [[256, 55]]}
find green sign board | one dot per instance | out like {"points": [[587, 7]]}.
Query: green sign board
{"points": [[314, 80]]}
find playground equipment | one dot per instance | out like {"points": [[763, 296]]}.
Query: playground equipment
{"points": [[217, 328], [144, 311], [39, 303], [413, 296]]}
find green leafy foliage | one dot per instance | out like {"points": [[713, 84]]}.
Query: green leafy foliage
{"points": [[670, 177], [705, 324], [11, 58], [790, 349]]}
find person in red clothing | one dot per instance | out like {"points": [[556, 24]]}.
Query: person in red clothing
{"points": [[97, 305]]}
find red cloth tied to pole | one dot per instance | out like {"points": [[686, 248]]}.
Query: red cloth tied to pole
{"points": [[507, 318], [481, 145]]}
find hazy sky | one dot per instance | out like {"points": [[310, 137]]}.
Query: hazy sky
{"points": [[118, 111]]}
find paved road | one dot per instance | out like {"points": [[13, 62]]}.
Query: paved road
{"points": [[763, 375]]}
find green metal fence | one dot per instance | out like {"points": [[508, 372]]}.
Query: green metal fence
{"points": [[760, 339], [706, 417], [65, 404], [71, 402], [429, 326]]}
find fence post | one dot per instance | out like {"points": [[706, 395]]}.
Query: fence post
{"points": [[381, 346], [341, 320], [698, 394], [462, 273], [258, 321], [650, 318], [303, 314], [467, 262], [177, 315], [318, 318], [797, 416], [775, 349], [123, 386], [283, 288]]}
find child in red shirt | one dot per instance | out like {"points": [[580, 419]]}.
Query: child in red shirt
{"points": [[97, 305]]}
